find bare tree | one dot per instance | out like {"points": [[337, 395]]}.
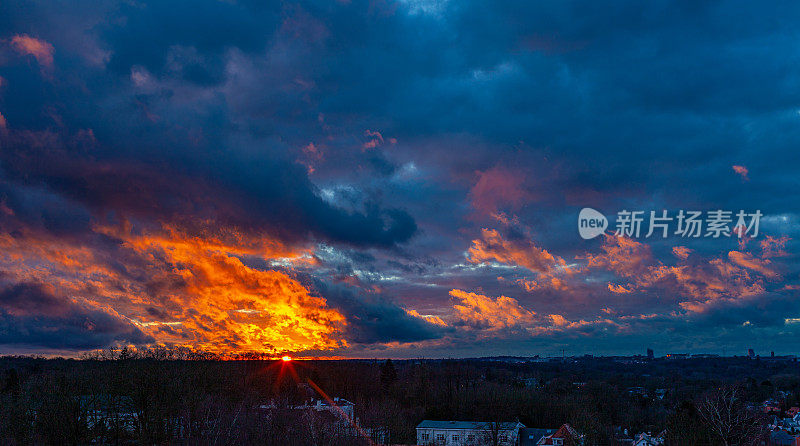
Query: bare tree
{"points": [[492, 431], [729, 419]]}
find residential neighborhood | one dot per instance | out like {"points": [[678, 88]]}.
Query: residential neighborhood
{"points": [[123, 398], [337, 416]]}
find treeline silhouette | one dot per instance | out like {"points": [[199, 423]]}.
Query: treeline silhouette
{"points": [[175, 396]]}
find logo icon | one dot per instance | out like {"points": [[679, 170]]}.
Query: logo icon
{"points": [[591, 223]]}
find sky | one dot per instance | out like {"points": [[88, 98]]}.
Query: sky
{"points": [[397, 178]]}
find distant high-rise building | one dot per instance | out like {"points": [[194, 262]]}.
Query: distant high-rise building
{"points": [[751, 353], [650, 353]]}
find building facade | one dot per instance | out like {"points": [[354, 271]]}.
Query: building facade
{"points": [[467, 433]]}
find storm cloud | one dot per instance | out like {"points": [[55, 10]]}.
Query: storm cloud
{"points": [[395, 176]]}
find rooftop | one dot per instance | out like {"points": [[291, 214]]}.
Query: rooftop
{"points": [[434, 424]]}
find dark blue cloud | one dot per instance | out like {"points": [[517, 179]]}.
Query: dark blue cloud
{"points": [[185, 39], [33, 315], [374, 319]]}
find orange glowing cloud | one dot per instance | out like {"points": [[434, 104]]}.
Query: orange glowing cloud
{"points": [[492, 247], [618, 289], [681, 252], [39, 49], [479, 311], [552, 271], [546, 281], [712, 279], [741, 171], [226, 305], [747, 260], [559, 320], [436, 320], [181, 290], [774, 246], [490, 316], [622, 255]]}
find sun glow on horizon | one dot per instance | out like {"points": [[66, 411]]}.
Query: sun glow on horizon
{"points": [[286, 358]]}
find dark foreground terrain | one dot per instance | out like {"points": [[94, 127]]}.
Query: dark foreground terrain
{"points": [[125, 398]]}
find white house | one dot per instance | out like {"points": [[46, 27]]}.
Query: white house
{"points": [[467, 433]]}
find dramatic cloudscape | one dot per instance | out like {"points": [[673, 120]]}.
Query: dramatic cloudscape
{"points": [[395, 178]]}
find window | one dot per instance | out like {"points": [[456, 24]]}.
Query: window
{"points": [[425, 437], [470, 437], [455, 437], [558, 441], [440, 437], [504, 438]]}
